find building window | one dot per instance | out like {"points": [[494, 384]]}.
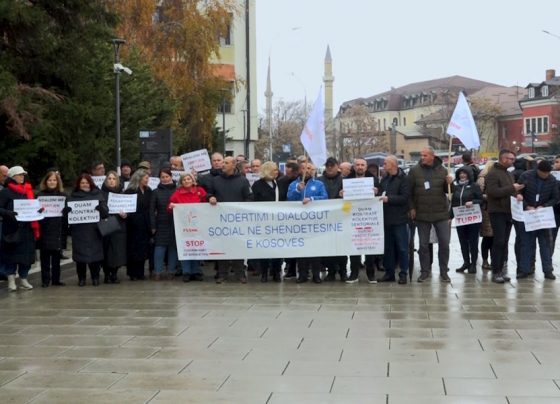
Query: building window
{"points": [[537, 125], [384, 124], [531, 92], [227, 39], [404, 121], [227, 105], [544, 91]]}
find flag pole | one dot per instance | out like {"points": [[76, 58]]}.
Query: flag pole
{"points": [[449, 167]]}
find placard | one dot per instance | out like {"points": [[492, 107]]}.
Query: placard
{"points": [[252, 178], [98, 180], [153, 182], [358, 188], [122, 203], [278, 229], [52, 205], [516, 209], [198, 160], [467, 215], [538, 219], [27, 210], [176, 175], [83, 212]]}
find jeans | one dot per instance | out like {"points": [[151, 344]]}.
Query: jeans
{"points": [[468, 238], [544, 236], [443, 231], [501, 228], [21, 269], [396, 249], [50, 266], [159, 257], [190, 267]]}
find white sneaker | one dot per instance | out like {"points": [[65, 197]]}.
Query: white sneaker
{"points": [[24, 284], [12, 283]]}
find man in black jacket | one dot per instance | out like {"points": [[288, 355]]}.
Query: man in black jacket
{"points": [[230, 186], [205, 180], [395, 195]]}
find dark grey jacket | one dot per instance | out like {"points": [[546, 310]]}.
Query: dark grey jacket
{"points": [[160, 219], [230, 188], [395, 211]]}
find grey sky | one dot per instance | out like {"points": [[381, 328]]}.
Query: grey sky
{"points": [[376, 45]]}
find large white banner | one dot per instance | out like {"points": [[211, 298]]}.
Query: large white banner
{"points": [[279, 229]]}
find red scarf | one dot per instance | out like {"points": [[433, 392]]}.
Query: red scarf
{"points": [[25, 189]]}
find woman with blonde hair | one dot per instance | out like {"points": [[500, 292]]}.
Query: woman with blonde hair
{"points": [[53, 232], [486, 226]]}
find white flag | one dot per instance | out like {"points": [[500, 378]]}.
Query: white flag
{"points": [[313, 134], [462, 124]]}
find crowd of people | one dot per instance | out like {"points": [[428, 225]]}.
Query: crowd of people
{"points": [[422, 200]]}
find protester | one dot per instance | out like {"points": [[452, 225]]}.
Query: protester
{"points": [[114, 244], [470, 166], [333, 184], [162, 226], [395, 197], [307, 189], [176, 163], [429, 206], [291, 173], [266, 190], [486, 226], [87, 243], [467, 193], [3, 175], [188, 192], [97, 169], [256, 166], [18, 238], [53, 232], [146, 166], [556, 169], [217, 162], [345, 169], [230, 186], [138, 230], [541, 190], [500, 186], [126, 173], [521, 165]]}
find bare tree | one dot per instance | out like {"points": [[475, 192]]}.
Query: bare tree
{"points": [[359, 133]]}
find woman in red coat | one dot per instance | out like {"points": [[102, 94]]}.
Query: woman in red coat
{"points": [[188, 192]]}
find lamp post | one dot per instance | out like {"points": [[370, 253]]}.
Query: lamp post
{"points": [[117, 43], [224, 119], [394, 137], [245, 143]]}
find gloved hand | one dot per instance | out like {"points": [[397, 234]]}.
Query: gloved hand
{"points": [[66, 210], [10, 214], [41, 210], [97, 208]]}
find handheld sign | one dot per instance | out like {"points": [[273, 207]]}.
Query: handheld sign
{"points": [[125, 203], [98, 180], [467, 215], [153, 182], [516, 209], [53, 205], [198, 160], [83, 212], [538, 219], [358, 188], [252, 178], [27, 210]]}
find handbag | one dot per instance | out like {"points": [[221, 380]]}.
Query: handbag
{"points": [[109, 226]]}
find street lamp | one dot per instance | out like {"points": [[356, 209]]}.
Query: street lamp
{"points": [[224, 119], [117, 68], [394, 136]]}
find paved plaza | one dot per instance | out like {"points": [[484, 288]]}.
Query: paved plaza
{"points": [[470, 341]]}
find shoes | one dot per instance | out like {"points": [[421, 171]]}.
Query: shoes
{"points": [[498, 279], [317, 278], [243, 280], [352, 279], [301, 280], [95, 282], [186, 278], [44, 285], [462, 268], [549, 275], [12, 283], [505, 277], [472, 269], [444, 277], [106, 279], [219, 280], [331, 277], [387, 278], [24, 284], [197, 277], [157, 277], [486, 266], [276, 277], [264, 277], [177, 273], [522, 275], [424, 276], [82, 282], [58, 283], [402, 280]]}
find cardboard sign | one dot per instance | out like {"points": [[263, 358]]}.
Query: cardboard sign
{"points": [[198, 160], [467, 215], [27, 210], [53, 205], [83, 212], [358, 188], [98, 180], [122, 203]]}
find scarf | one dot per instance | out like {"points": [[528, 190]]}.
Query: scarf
{"points": [[25, 189]]}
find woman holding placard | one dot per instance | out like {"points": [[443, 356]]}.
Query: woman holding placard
{"points": [[18, 237], [467, 193], [87, 243], [53, 229], [114, 244], [138, 232]]}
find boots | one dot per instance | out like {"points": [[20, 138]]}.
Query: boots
{"points": [[463, 267], [12, 283], [472, 269], [24, 284], [264, 275]]}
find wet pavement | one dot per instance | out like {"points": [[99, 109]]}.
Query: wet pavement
{"points": [[470, 341]]}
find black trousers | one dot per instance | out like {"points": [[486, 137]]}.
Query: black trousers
{"points": [[501, 228], [468, 238], [94, 268], [135, 269], [50, 266]]}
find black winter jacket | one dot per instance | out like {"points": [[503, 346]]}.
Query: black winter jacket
{"points": [[160, 219], [230, 188], [395, 211], [546, 189], [138, 229], [333, 185], [54, 230], [263, 192]]}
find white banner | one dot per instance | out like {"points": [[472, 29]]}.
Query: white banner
{"points": [[467, 215], [98, 180], [358, 188], [198, 160], [252, 178], [541, 218], [278, 229], [516, 209], [53, 205], [118, 203], [27, 210], [153, 182], [83, 212]]}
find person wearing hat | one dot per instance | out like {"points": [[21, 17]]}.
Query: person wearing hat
{"points": [[540, 191], [146, 166], [126, 172], [18, 238]]}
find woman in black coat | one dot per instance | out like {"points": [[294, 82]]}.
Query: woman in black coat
{"points": [[87, 243], [266, 190], [53, 232], [138, 231], [114, 244], [162, 225], [17, 251]]}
